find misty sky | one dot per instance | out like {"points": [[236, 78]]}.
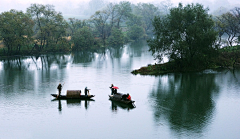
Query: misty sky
{"points": [[72, 6]]}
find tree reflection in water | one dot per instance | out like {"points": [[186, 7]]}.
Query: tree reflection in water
{"points": [[184, 101], [115, 52], [46, 62], [82, 57], [43, 62]]}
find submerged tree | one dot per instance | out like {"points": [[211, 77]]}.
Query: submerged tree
{"points": [[116, 38], [83, 39], [135, 32], [186, 36]]}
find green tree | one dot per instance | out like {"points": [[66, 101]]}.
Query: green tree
{"points": [[147, 11], [116, 38], [134, 20], [135, 28], [16, 30], [99, 20], [111, 9], [123, 12], [135, 32], [75, 24], [186, 36], [50, 26], [83, 39]]}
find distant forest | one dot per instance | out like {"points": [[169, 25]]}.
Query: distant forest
{"points": [[42, 29]]}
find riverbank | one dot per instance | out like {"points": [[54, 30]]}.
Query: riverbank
{"points": [[228, 58], [159, 69]]}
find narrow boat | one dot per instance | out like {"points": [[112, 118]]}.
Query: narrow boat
{"points": [[73, 94], [117, 97], [75, 97]]}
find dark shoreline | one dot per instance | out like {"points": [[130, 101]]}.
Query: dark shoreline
{"points": [[226, 60]]}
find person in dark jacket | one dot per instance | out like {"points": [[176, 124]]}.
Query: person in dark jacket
{"points": [[86, 91], [113, 90], [59, 89]]}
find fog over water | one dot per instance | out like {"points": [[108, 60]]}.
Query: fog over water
{"points": [[82, 7]]}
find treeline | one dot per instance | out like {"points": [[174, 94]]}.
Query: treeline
{"points": [[191, 39], [42, 29]]}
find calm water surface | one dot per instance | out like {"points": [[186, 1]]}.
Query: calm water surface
{"points": [[195, 105]]}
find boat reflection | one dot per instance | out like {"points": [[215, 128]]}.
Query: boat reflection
{"points": [[73, 102], [115, 105]]}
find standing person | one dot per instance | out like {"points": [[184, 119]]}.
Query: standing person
{"points": [[86, 91], [111, 87], [59, 89]]}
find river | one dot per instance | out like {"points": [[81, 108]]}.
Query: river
{"points": [[177, 105]]}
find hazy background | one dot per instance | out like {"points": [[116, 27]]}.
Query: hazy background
{"points": [[82, 7]]}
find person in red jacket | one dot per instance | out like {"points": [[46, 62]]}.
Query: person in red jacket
{"points": [[128, 97]]}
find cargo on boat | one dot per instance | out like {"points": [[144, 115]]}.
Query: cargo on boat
{"points": [[73, 94]]}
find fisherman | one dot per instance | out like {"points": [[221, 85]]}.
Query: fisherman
{"points": [[59, 89], [113, 90], [86, 91]]}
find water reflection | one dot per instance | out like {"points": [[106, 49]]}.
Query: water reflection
{"points": [[16, 63], [43, 62], [115, 52], [136, 48], [60, 61], [184, 101], [73, 103], [82, 57], [41, 72], [59, 105], [116, 105]]}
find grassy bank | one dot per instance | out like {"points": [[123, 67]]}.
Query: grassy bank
{"points": [[229, 57]]}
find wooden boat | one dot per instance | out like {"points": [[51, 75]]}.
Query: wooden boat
{"points": [[75, 97], [73, 94], [118, 98]]}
